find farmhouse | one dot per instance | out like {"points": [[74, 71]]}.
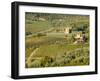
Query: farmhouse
{"points": [[67, 30], [79, 38]]}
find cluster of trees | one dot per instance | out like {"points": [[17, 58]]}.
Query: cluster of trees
{"points": [[57, 20], [28, 33], [81, 26], [76, 57]]}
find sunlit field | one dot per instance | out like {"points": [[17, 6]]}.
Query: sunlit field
{"points": [[56, 40]]}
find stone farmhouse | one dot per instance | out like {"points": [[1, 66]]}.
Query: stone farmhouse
{"points": [[79, 38]]}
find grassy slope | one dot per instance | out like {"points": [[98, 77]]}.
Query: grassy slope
{"points": [[46, 49], [56, 49], [37, 26]]}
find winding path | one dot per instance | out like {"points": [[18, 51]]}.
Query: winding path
{"points": [[31, 55]]}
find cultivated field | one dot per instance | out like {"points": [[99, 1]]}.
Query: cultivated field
{"points": [[54, 40]]}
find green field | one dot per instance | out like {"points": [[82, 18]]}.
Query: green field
{"points": [[47, 45]]}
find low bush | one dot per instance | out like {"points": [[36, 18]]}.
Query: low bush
{"points": [[41, 34]]}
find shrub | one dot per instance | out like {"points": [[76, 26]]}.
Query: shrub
{"points": [[28, 33], [41, 34]]}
